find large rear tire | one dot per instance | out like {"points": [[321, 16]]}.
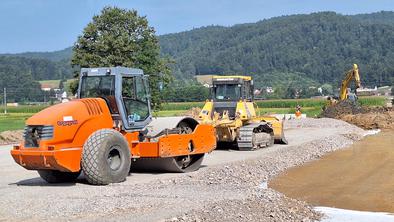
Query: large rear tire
{"points": [[106, 158], [55, 176]]}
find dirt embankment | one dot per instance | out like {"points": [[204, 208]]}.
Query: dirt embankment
{"points": [[9, 137], [364, 117], [375, 119]]}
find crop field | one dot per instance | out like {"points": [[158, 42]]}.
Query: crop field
{"points": [[13, 121], [16, 116]]}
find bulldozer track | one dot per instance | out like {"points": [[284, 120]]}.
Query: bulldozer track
{"points": [[254, 136]]}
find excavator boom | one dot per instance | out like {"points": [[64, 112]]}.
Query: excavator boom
{"points": [[351, 74]]}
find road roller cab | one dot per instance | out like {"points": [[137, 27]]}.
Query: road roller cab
{"points": [[108, 129]]}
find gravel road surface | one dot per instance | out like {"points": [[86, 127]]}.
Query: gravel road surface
{"points": [[230, 186]]}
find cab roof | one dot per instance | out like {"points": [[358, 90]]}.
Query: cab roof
{"points": [[233, 77], [111, 71]]}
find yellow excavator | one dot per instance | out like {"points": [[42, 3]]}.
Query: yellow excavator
{"points": [[344, 93], [232, 112]]}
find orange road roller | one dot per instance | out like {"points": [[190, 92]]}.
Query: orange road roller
{"points": [[109, 130]]}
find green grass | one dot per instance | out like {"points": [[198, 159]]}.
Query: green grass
{"points": [[23, 109], [13, 121], [309, 111], [281, 103], [166, 113], [16, 116], [291, 103], [372, 101], [182, 106]]}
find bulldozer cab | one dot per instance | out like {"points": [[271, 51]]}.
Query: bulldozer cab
{"points": [[125, 91], [227, 91], [232, 88]]}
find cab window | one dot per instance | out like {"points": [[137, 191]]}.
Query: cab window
{"points": [[134, 96], [100, 87], [230, 92]]}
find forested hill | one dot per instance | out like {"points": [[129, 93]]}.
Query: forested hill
{"points": [[384, 17], [299, 49], [55, 56], [38, 68], [317, 47]]}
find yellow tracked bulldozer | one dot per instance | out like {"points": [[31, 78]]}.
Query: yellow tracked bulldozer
{"points": [[232, 112]]}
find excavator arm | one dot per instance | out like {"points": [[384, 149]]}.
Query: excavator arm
{"points": [[353, 73]]}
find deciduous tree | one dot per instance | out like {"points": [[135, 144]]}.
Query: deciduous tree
{"points": [[121, 37]]}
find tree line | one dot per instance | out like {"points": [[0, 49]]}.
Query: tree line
{"points": [[21, 75], [289, 53], [317, 47]]}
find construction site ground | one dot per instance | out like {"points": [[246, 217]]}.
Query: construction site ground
{"points": [[231, 185], [360, 177]]}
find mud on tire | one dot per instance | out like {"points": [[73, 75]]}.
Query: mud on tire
{"points": [[106, 157], [55, 176]]}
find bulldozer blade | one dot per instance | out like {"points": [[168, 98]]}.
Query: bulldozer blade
{"points": [[281, 141]]}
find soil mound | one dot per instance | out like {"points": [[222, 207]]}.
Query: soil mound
{"points": [[374, 119], [344, 107], [364, 117], [8, 137]]}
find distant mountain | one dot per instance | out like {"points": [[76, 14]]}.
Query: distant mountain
{"points": [[54, 56], [304, 49], [318, 46], [39, 69], [383, 17]]}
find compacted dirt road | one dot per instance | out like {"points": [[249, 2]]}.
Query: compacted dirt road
{"points": [[231, 185]]}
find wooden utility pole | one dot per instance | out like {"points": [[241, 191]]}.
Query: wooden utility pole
{"points": [[5, 100]]}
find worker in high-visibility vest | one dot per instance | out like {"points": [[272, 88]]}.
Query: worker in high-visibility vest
{"points": [[298, 112]]}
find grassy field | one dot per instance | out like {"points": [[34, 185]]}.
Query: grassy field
{"points": [[13, 121], [282, 103], [311, 107]]}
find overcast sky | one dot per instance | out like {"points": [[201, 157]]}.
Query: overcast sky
{"points": [[48, 25]]}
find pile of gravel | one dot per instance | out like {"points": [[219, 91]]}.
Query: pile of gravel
{"points": [[321, 123], [10, 137], [265, 204]]}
